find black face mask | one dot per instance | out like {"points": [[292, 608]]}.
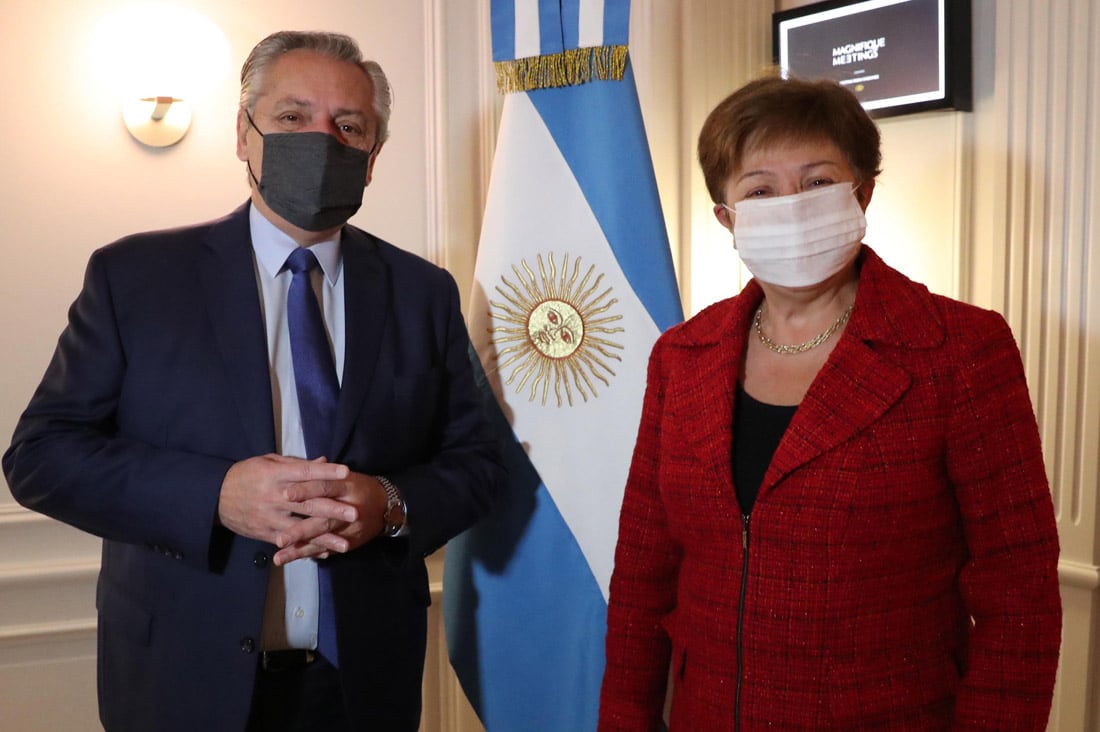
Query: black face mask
{"points": [[310, 178]]}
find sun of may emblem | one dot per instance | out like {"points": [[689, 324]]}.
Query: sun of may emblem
{"points": [[554, 330]]}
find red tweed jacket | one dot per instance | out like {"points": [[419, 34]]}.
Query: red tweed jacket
{"points": [[899, 569]]}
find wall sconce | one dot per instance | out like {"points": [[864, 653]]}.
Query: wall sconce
{"points": [[157, 121], [158, 58]]}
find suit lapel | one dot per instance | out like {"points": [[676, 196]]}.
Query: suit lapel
{"points": [[852, 391], [367, 314], [232, 300], [703, 391], [858, 384]]}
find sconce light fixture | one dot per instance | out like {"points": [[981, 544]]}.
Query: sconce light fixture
{"points": [[157, 121], [158, 58]]}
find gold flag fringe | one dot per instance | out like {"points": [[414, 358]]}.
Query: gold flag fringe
{"points": [[569, 68]]}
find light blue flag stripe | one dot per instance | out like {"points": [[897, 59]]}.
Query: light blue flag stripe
{"points": [[525, 619], [550, 27], [570, 24], [599, 129], [502, 21], [616, 24]]}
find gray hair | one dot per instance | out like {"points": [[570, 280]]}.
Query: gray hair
{"points": [[334, 45]]}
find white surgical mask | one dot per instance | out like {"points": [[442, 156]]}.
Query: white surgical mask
{"points": [[801, 239]]}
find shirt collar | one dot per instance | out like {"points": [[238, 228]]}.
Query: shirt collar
{"points": [[273, 246]]}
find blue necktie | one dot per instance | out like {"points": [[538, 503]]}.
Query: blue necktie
{"points": [[317, 386], [314, 369]]}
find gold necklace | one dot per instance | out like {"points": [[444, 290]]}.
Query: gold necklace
{"points": [[793, 349]]}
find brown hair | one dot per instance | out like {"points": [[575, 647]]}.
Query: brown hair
{"points": [[773, 110]]}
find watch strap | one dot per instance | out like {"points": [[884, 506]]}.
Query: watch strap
{"points": [[392, 525]]}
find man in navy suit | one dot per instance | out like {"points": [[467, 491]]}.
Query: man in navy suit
{"points": [[250, 581]]}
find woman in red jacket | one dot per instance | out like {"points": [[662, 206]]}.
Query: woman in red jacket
{"points": [[837, 516]]}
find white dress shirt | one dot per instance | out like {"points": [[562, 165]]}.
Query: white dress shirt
{"points": [[290, 613]]}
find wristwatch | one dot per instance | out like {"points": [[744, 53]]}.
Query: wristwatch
{"points": [[394, 517]]}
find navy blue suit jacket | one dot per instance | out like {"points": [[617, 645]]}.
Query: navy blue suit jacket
{"points": [[161, 382]]}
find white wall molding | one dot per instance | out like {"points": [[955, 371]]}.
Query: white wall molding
{"points": [[488, 99], [25, 576], [1034, 247], [34, 593], [32, 537], [13, 636], [435, 142], [47, 577], [1080, 576], [463, 112], [47, 612]]}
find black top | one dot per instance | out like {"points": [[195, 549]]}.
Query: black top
{"points": [[757, 429]]}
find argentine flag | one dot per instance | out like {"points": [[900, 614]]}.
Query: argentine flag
{"points": [[573, 284]]}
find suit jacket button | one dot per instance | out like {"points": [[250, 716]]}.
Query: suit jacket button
{"points": [[248, 645], [260, 560]]}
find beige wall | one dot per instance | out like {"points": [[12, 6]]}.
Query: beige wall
{"points": [[998, 206]]}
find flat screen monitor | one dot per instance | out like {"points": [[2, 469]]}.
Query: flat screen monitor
{"points": [[896, 56]]}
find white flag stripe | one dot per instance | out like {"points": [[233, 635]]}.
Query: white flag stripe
{"points": [[528, 39], [582, 451], [591, 23]]}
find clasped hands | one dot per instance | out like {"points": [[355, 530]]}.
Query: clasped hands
{"points": [[307, 508]]}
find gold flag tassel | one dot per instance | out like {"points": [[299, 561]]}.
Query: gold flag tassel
{"points": [[569, 68]]}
